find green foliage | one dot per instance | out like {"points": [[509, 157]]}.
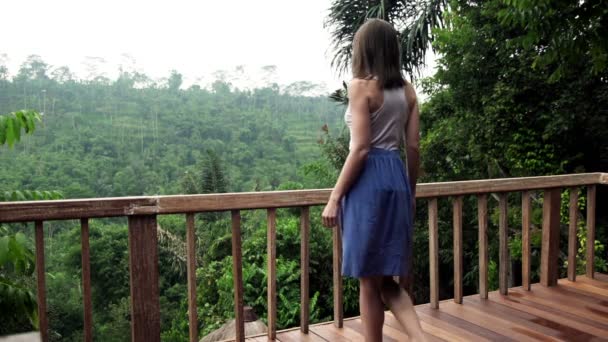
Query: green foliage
{"points": [[17, 301], [562, 34], [12, 124], [29, 195]]}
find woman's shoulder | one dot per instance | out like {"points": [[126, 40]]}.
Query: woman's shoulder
{"points": [[366, 86], [410, 92]]}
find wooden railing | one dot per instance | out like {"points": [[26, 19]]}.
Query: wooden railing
{"points": [[143, 250]]}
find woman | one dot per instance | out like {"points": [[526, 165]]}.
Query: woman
{"points": [[374, 197]]}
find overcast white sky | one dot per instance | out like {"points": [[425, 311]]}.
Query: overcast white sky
{"points": [[194, 37]]}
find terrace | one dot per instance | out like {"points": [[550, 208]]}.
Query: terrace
{"points": [[575, 308]]}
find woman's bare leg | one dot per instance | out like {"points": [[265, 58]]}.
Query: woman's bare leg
{"points": [[371, 307], [400, 304]]}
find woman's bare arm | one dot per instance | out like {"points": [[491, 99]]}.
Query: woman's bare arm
{"points": [[412, 138], [358, 94]]}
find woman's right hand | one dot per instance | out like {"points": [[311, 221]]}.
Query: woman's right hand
{"points": [[330, 214]]}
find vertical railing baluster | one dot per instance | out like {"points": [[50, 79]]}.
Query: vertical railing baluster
{"points": [[86, 281], [526, 211], [191, 274], [337, 275], [590, 255], [503, 245], [143, 273], [43, 323], [433, 253], [457, 211], [572, 236], [550, 238], [304, 268], [271, 251], [237, 275], [482, 218]]}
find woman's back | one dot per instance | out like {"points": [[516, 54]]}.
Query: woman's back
{"points": [[388, 120]]}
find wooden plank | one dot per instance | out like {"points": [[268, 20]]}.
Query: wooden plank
{"points": [[572, 230], [191, 274], [574, 299], [457, 211], [337, 277], [445, 330], [330, 332], [550, 237], [601, 277], [602, 284], [503, 245], [433, 253], [526, 212], [538, 324], [237, 275], [559, 301], [389, 332], [43, 323], [87, 330], [482, 218], [561, 317], [393, 329], [455, 323], [69, 209], [272, 273], [499, 325], [505, 185], [582, 296], [146, 205], [242, 200], [353, 330], [143, 271], [581, 285], [295, 335], [304, 268], [590, 254]]}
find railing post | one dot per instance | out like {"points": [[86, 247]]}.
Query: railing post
{"points": [[304, 268], [503, 245], [143, 270], [433, 253], [40, 279], [457, 208], [482, 218], [572, 230], [237, 275], [191, 275], [526, 211], [271, 284], [86, 281], [590, 254], [337, 270], [550, 237]]}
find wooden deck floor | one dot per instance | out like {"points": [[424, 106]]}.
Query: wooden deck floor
{"points": [[571, 311]]}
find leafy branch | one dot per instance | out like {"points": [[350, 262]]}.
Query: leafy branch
{"points": [[12, 124]]}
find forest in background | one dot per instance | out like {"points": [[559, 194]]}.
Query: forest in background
{"points": [[498, 106]]}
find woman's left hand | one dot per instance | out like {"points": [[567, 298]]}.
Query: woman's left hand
{"points": [[330, 214]]}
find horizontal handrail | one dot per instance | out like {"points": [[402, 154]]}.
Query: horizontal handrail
{"points": [[175, 204]]}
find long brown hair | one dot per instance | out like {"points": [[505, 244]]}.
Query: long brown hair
{"points": [[376, 54]]}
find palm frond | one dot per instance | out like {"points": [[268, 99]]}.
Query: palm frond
{"points": [[417, 36], [414, 19]]}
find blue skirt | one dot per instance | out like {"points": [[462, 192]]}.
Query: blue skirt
{"points": [[376, 219]]}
